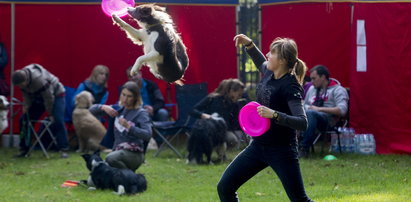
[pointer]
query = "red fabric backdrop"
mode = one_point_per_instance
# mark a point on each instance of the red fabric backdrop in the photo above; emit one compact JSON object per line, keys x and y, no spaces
{"x":69,"y":40}
{"x":380,"y":99}
{"x":381,"y":96}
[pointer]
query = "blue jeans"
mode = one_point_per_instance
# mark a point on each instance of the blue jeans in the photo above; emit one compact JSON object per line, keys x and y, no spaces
{"x":161,"y":115}
{"x":253,"y":159}
{"x":58,"y":127}
{"x":316,"y":120}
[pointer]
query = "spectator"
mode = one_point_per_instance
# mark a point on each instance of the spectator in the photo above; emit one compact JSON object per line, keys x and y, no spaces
{"x":131,"y":128}
{"x":153,"y":100}
{"x":325,"y":102}
{"x":224,"y":101}
{"x":96,"y":84}
{"x":280,"y":94}
{"x":42,"y":91}
{"x":4,"y":86}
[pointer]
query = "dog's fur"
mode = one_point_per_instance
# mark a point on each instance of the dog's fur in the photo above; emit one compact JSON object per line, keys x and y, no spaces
{"x":89,"y":130}
{"x":4,"y":111}
{"x":207,"y":134}
{"x":103,"y":176}
{"x":164,"y":51}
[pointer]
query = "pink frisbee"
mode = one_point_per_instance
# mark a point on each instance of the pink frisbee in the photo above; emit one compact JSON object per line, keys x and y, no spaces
{"x":251,"y":122}
{"x":118,"y":7}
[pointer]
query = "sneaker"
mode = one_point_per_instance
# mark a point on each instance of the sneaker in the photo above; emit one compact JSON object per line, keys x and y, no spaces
{"x":64,"y":155}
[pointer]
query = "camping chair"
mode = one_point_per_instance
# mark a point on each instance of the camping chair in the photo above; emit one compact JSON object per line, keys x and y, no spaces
{"x":341,"y":123}
{"x":38,"y":134}
{"x":186,"y":96}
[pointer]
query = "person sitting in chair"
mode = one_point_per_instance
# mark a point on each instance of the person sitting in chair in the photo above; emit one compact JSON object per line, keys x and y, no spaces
{"x":42,"y":91}
{"x":326,"y":100}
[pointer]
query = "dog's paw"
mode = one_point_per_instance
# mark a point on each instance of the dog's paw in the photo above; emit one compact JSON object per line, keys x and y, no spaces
{"x":116,"y":19}
{"x":91,"y":188}
{"x":136,"y":68}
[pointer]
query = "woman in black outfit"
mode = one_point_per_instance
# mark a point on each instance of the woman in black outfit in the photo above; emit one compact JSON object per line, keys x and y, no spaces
{"x":280,"y":94}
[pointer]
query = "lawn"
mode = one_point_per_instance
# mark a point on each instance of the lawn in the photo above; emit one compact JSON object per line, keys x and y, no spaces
{"x":349,"y":178}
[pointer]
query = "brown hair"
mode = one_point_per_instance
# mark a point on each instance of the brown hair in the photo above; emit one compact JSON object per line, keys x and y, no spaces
{"x":226,"y":86}
{"x":287,"y":50}
{"x":135,"y":90}
{"x":97,"y":70}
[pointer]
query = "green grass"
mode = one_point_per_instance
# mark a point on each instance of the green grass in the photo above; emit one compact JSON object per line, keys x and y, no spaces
{"x":349,"y":178}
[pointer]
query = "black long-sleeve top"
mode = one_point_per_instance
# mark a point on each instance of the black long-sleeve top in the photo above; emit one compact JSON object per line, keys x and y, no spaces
{"x":283,"y":95}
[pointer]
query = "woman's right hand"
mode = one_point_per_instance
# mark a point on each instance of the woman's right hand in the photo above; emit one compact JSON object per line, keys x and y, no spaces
{"x":205,"y":116}
{"x":242,"y":39}
{"x":109,"y":110}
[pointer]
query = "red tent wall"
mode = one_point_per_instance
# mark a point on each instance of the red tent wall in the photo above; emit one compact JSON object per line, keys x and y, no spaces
{"x":380,"y":98}
{"x":69,"y":40}
{"x":321,"y":32}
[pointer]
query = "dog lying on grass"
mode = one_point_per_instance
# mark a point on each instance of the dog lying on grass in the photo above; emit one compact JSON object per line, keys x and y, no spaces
{"x":164,"y":51}
{"x":103,"y":176}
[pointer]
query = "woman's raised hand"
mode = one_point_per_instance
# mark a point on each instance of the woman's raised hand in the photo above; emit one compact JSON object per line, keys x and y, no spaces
{"x":242,"y":39}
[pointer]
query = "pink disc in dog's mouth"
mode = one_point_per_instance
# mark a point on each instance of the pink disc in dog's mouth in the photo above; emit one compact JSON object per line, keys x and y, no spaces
{"x":118,"y":7}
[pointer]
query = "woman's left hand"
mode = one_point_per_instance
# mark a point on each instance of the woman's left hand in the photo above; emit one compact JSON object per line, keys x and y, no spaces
{"x":265,"y":112}
{"x":124,"y":122}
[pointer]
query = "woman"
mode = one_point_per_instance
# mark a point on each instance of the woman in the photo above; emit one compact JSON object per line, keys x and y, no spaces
{"x":223,"y":101}
{"x":96,"y":84}
{"x":132,"y":127}
{"x":280,"y":94}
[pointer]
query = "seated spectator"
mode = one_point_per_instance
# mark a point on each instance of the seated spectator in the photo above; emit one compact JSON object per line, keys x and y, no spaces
{"x":224,"y":101}
{"x":96,"y":84}
{"x":326,"y":100}
{"x":131,"y":128}
{"x":42,"y":91}
{"x":153,"y":100}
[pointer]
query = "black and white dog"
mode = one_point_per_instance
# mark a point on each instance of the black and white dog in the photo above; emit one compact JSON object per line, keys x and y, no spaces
{"x":164,"y":51}
{"x":207,"y":134}
{"x":4,"y":110}
{"x":103,"y":176}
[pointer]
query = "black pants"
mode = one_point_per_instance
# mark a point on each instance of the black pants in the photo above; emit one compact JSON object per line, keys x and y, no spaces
{"x":282,"y":159}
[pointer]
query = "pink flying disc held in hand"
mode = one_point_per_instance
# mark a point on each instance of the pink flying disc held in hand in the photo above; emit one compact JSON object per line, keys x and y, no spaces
{"x":251,"y":122}
{"x":118,"y":7}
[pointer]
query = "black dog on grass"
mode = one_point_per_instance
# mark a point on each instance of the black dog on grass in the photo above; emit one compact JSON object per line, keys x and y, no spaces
{"x":207,"y":134}
{"x":103,"y":176}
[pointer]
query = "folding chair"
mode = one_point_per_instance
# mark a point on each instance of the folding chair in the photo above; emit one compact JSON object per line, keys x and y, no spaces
{"x":186,"y":96}
{"x":37,"y":135}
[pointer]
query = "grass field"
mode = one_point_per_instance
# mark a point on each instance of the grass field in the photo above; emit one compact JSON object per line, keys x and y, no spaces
{"x":349,"y":178}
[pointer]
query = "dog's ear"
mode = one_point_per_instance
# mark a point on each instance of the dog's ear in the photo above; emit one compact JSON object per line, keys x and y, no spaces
{"x":86,"y":157}
{"x":146,"y":11}
{"x":97,"y":152}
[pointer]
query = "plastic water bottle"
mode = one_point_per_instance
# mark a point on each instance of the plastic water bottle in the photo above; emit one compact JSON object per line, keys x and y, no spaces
{"x":334,"y":142}
{"x":351,"y":144}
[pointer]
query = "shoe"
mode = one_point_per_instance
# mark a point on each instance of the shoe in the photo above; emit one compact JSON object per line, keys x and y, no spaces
{"x":64,"y":155}
{"x":22,"y":154}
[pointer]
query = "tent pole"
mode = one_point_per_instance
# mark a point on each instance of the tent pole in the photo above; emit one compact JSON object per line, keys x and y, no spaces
{"x":13,"y":20}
